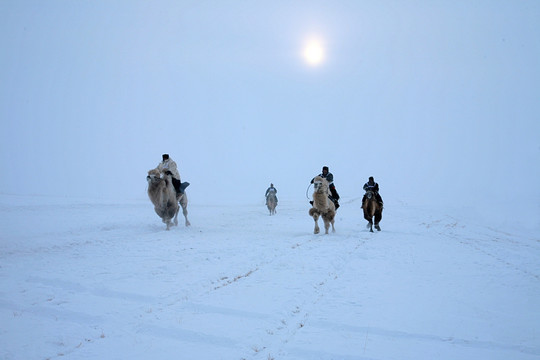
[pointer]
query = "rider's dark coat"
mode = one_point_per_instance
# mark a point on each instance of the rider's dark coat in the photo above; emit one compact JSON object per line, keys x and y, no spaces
{"x":269,"y":190}
{"x":373,"y":186}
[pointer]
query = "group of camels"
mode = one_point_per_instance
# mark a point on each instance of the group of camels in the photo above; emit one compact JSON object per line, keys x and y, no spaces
{"x":324,"y":207}
{"x":167,"y":203}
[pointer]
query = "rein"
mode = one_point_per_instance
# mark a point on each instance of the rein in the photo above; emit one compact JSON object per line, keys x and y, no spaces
{"x":307,"y":197}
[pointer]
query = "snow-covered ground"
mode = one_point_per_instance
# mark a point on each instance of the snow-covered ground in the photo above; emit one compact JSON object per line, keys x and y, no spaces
{"x":96,"y":279}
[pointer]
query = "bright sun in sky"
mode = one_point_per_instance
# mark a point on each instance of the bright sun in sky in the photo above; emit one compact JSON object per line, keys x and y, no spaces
{"x":313,"y":52}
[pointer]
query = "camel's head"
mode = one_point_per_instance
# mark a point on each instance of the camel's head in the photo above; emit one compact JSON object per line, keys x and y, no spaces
{"x":152,"y":175}
{"x":320,"y":185}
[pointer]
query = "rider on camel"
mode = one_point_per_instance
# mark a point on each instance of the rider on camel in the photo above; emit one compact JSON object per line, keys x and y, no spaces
{"x":371,"y":185}
{"x":330,"y":178}
{"x":270,"y":190}
{"x":168,"y":165}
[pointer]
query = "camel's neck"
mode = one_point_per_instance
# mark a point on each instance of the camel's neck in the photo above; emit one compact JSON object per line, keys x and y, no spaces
{"x":371,"y":206}
{"x":157,"y":191}
{"x":320,"y":201}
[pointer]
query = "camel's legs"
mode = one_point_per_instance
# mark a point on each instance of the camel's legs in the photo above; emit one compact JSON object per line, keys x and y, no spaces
{"x":326,"y":226}
{"x":183,"y":203}
{"x":184,"y":211}
{"x":370,"y":226}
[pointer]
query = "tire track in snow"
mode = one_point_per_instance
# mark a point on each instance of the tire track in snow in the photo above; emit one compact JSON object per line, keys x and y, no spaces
{"x":492,"y":245}
{"x":476,"y":245}
{"x":234,"y":278}
{"x":297,"y":316}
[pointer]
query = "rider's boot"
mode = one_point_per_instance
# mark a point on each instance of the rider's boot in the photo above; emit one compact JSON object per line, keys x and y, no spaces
{"x":183,"y":186}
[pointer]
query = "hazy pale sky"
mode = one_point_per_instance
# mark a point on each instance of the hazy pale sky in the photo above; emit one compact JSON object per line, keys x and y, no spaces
{"x":433,"y":98}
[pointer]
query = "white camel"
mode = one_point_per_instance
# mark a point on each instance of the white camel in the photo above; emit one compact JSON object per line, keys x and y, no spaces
{"x":322,"y":205}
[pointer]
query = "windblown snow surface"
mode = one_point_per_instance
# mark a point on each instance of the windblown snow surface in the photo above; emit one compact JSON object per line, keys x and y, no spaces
{"x":96,"y":279}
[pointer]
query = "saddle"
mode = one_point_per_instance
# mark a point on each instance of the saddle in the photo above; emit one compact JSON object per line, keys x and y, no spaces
{"x":373,"y":194}
{"x":181,"y":189}
{"x":334,"y":200}
{"x":336,"y":204}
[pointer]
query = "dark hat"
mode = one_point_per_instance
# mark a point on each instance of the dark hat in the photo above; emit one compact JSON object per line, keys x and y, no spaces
{"x":325,"y":167}
{"x":165,"y":156}
{"x":371,"y":178}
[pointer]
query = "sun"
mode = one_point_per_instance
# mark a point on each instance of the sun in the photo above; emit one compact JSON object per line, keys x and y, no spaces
{"x":313,"y":52}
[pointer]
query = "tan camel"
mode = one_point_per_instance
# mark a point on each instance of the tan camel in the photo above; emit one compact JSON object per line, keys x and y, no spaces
{"x":163,"y":195}
{"x":322,"y":205}
{"x":372,"y":209}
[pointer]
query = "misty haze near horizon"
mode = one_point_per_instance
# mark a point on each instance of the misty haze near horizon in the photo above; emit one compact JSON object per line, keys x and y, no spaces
{"x":438,"y":101}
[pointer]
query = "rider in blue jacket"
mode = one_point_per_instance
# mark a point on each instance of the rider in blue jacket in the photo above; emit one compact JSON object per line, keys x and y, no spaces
{"x":270,"y":190}
{"x":373,"y":186}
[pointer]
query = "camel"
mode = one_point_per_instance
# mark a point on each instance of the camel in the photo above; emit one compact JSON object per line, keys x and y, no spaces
{"x":163,"y":195}
{"x":271,"y":203}
{"x":322,"y":205}
{"x":372,"y":208}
